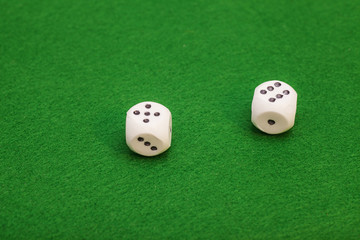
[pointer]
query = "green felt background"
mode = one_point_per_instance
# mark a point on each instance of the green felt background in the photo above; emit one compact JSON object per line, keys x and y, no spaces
{"x":69,"y":71}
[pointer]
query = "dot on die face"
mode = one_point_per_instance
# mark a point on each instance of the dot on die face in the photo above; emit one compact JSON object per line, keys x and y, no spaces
{"x":273,"y":111}
{"x":148,"y":128}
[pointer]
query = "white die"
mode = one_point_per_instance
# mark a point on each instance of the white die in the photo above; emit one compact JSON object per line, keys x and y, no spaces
{"x":273,"y":107}
{"x":148,"y":128}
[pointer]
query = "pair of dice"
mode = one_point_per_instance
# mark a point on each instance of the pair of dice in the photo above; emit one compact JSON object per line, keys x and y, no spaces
{"x":149,"y":124}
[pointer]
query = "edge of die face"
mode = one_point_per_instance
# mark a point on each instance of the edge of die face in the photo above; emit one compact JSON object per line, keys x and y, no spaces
{"x":170,"y":129}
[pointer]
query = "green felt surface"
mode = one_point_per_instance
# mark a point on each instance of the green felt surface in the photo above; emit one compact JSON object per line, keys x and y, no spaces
{"x":69,"y":71}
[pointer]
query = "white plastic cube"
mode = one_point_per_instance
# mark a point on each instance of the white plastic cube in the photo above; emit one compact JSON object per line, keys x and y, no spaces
{"x":273,"y":107}
{"x":148,"y":128}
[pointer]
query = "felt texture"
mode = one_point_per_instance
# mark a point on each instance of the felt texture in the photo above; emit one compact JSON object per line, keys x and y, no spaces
{"x":69,"y":71}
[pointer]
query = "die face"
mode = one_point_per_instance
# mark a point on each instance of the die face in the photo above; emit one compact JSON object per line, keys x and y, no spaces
{"x":148,"y":128}
{"x":272,"y":122}
{"x":148,"y":145}
{"x":274,"y":107}
{"x":275,"y":94}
